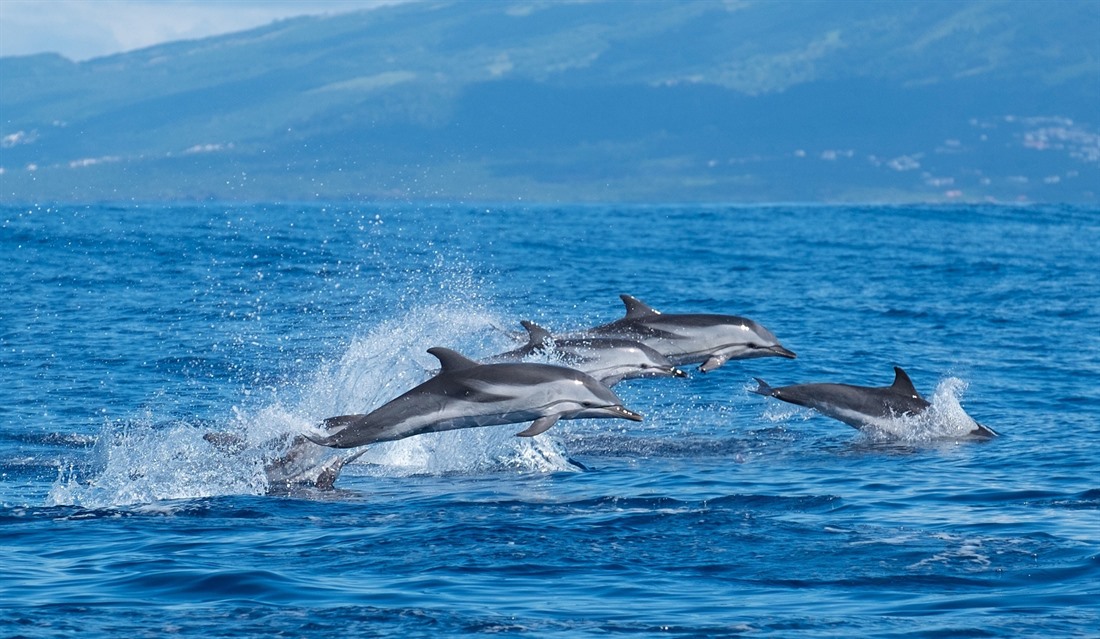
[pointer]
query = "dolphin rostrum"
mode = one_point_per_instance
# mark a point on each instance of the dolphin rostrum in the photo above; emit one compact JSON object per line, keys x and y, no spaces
{"x":466,"y":394}
{"x":609,"y":359}
{"x":693,"y":338}
{"x":861,"y":406}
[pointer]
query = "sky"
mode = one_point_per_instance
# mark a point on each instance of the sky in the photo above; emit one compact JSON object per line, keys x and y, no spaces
{"x":84,"y":29}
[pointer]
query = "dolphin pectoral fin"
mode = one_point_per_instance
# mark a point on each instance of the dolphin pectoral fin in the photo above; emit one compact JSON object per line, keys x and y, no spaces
{"x":762,"y":388}
{"x":713,"y":362}
{"x":540,"y":425}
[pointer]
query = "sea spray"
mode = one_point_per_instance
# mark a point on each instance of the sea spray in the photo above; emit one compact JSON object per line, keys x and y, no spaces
{"x":142,"y":461}
{"x":944,"y":419}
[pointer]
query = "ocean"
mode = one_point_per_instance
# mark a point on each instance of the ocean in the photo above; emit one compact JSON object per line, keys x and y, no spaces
{"x":129,"y":332}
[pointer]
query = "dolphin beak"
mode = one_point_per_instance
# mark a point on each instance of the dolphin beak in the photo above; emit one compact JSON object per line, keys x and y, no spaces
{"x":782,"y":352}
{"x":676,"y":372}
{"x":625,"y":413}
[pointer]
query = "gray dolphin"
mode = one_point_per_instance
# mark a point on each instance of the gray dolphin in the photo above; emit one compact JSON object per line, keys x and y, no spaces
{"x":466,"y":394}
{"x":861,"y":406}
{"x":609,"y":359}
{"x":302,"y":463}
{"x":308,"y":463}
{"x":693,"y":338}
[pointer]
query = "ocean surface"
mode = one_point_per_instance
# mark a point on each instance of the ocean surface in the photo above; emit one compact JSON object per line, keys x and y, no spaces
{"x":127,"y":333}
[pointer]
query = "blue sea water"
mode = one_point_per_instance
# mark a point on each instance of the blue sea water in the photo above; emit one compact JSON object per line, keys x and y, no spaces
{"x":129,"y":332}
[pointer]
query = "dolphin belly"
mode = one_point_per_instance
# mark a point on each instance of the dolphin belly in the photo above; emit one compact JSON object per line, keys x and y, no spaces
{"x":886,"y":423}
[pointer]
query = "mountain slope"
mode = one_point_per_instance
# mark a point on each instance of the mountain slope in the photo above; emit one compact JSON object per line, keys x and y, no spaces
{"x":599,"y":100}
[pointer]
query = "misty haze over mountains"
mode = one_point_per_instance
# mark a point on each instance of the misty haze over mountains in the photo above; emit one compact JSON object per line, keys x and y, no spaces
{"x":596,"y":101}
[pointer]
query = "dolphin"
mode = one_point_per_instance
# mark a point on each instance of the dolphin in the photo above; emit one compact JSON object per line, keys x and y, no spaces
{"x":693,"y":338}
{"x":303,"y":463}
{"x":307,"y":463}
{"x":466,"y":394}
{"x":861,"y":406}
{"x":609,"y":359}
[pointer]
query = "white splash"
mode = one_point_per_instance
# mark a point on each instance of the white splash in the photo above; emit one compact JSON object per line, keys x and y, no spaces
{"x":142,"y":462}
{"x":475,"y":450}
{"x":943,"y":420}
{"x":966,"y":553}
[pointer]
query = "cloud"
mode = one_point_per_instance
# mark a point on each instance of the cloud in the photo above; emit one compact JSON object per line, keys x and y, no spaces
{"x":83,"y":29}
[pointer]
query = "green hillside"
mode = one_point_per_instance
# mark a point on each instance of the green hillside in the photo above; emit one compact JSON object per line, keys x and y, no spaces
{"x":730,"y":101}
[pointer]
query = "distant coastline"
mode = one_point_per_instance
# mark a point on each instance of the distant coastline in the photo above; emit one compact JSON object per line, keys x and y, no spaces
{"x":597,"y":102}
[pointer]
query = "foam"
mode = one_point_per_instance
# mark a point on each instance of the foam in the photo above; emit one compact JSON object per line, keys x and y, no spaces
{"x":145,"y":460}
{"x":945,"y":419}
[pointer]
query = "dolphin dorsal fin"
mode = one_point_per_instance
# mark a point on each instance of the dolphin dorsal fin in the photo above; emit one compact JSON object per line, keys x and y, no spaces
{"x":902,"y":384}
{"x":450,"y":361}
{"x":537,"y":336}
{"x":636,"y":308}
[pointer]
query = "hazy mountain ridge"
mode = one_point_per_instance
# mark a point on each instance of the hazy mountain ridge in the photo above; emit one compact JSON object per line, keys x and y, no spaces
{"x":606,"y":100}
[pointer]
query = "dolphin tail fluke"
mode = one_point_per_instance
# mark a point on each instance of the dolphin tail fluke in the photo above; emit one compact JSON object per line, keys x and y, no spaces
{"x":762,"y":388}
{"x":539,"y":426}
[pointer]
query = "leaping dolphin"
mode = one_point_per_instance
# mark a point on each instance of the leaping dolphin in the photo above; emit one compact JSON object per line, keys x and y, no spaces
{"x":693,"y":338}
{"x":466,"y":394}
{"x":609,"y":359}
{"x":861,"y":406}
